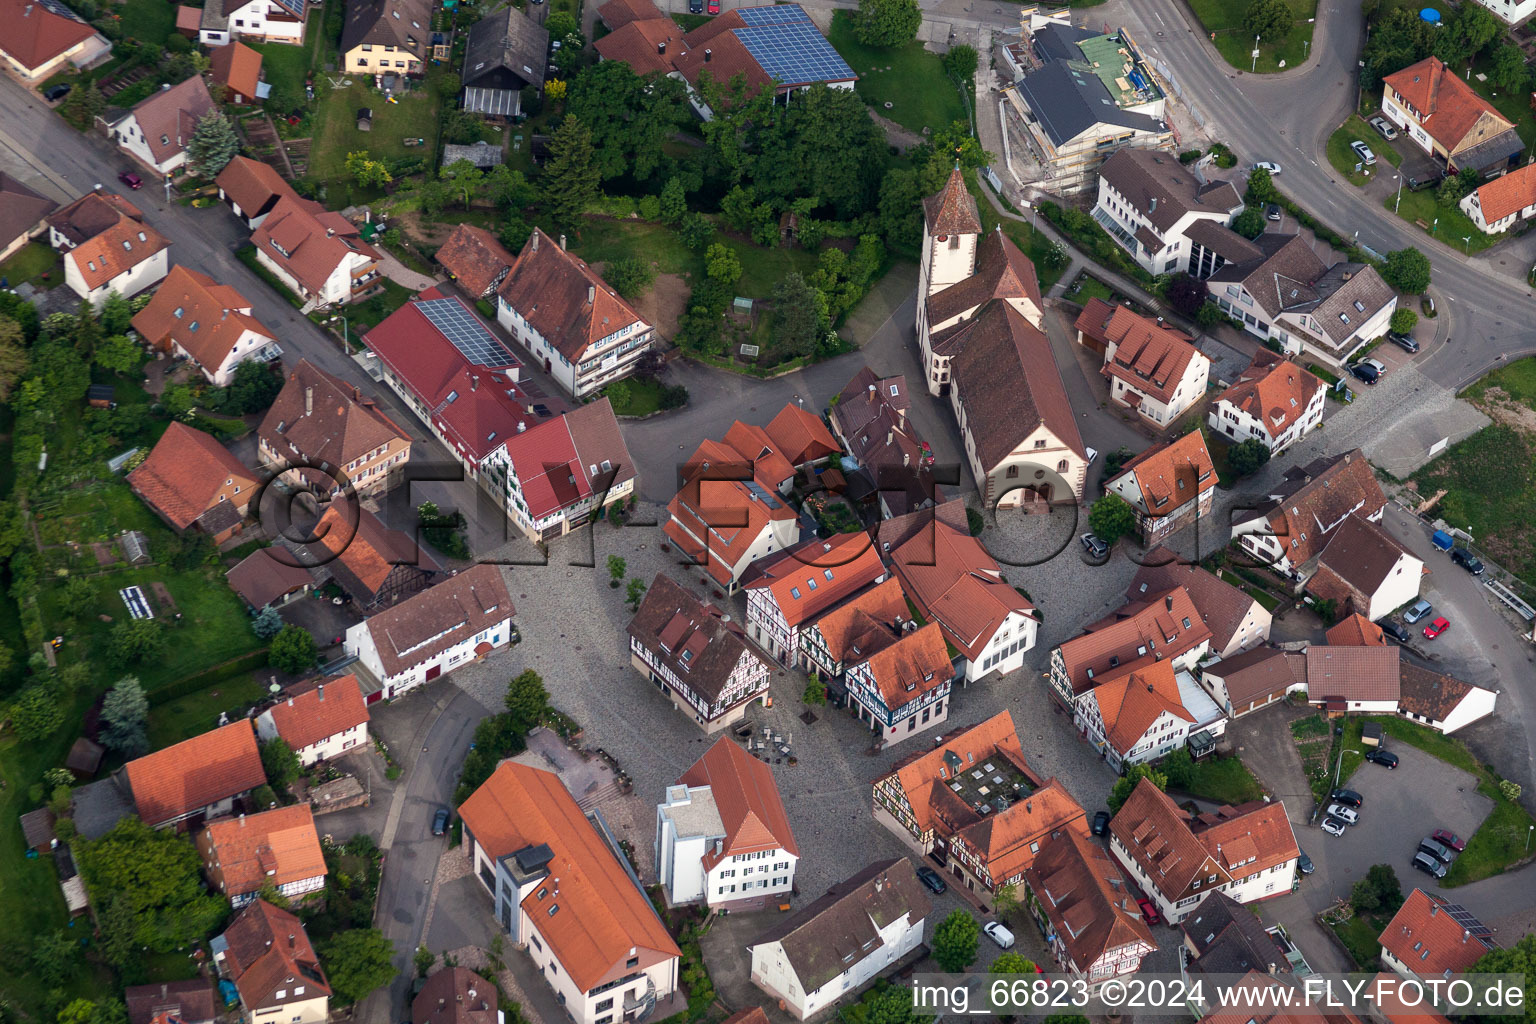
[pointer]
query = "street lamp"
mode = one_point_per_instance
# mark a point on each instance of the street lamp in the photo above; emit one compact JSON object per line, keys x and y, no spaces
{"x":1434,"y":227}
{"x":1528,"y":830}
{"x":1306,"y":44}
{"x":346,"y":338}
{"x":1255,"y":54}
{"x":1399,"y":201}
{"x":1466,"y":245}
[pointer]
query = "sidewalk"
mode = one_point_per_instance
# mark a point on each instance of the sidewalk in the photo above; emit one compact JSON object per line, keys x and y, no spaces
{"x":402,"y":275}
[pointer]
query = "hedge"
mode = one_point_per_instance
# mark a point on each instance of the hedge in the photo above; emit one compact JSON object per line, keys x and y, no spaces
{"x":209,"y":676}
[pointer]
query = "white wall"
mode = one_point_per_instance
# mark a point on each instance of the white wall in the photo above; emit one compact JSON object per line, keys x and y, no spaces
{"x":1006,"y":649}
{"x":1235,"y":425}
{"x":771,"y":970}
{"x":130,"y":136}
{"x":746,"y":876}
{"x":1400,"y":587}
{"x":359,"y":642}
{"x":127,"y":284}
{"x":249,"y":21}
{"x":581,"y":1007}
{"x":1475,"y":705}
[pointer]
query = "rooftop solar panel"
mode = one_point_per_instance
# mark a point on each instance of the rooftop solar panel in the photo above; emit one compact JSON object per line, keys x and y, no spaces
{"x":793,"y":53}
{"x":59,"y":9}
{"x":467,"y":333}
{"x":781,"y":14}
{"x":761,"y":494}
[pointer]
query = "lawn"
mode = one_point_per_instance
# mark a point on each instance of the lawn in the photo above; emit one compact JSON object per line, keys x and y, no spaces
{"x":1360,"y":937}
{"x":149,"y":21}
{"x":1087,"y":287}
{"x":1226,"y":781}
{"x":1031,"y":243}
{"x":1343,"y":158}
{"x":1268,"y":601}
{"x":643,"y":399}
{"x":1314,"y":745}
{"x":196,"y":713}
{"x":284,"y":65}
{"x":366,"y":315}
{"x":1448,"y":224}
{"x":603,"y":240}
{"x":908,"y":77}
{"x":336,"y":133}
{"x":30,"y":263}
{"x":1517,"y":380}
{"x":1490,"y":485}
{"x":1512,"y":105}
{"x":1224,"y":19}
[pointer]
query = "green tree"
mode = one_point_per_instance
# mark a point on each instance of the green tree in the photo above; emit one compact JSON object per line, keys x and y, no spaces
{"x":887,"y":22}
{"x":955,"y":941}
{"x":293,"y":650}
{"x":1407,"y":270}
{"x":158,"y":875}
{"x":1507,"y":69}
{"x":1005,"y":900}
{"x":1247,"y":457}
{"x":1249,"y":223}
{"x":1261,"y":188}
{"x":423,"y":959}
{"x":116,"y":314}
{"x":1403,"y":321}
{"x":178,"y":400}
{"x":35,"y":714}
{"x":890,"y":1005}
{"x":630,"y":276}
{"x":467,"y":179}
{"x":356,"y":963}
{"x":1466,"y":33}
{"x":960,"y":63}
{"x":267,"y":623}
{"x":799,"y":316}
{"x":54,"y":956}
{"x":125,"y":712}
{"x":674,"y":200}
{"x":366,"y":171}
{"x":695,"y":230}
{"x":631,"y":117}
{"x":1379,"y":890}
{"x":815,"y":690}
{"x":1271,"y":20}
{"x":118,"y":924}
{"x":82,"y":106}
{"x":561,"y":23}
{"x":975,"y":522}
{"x":1126,"y":783}
{"x":280,"y":763}
{"x":119,"y":354}
{"x":13,"y":356}
{"x":721,"y":264}
{"x":1454,"y":187}
{"x":62,"y":373}
{"x":1112,"y":518}
{"x":213,"y":144}
{"x":431,"y":195}
{"x":571,"y":176}
{"x":1012,"y":963}
{"x":634,"y":592}
{"x":77,"y":596}
{"x":509,"y":189}
{"x":527,"y":701}
{"x":617,"y":567}
{"x":1519,"y":958}
{"x":253,"y":389}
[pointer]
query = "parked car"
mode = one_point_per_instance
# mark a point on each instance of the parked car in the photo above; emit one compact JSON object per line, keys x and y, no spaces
{"x":1333,"y":826}
{"x":1419,"y":609}
{"x":1442,"y":853}
{"x":994,"y":929}
{"x":712,"y":7}
{"x":931,"y":879}
{"x":1434,"y":629}
{"x":1366,"y":370}
{"x":1467,"y":560}
{"x":1346,"y":796}
{"x":440,"y":822}
{"x":1095,"y":547}
{"x":58,"y":92}
{"x":1405,"y":342}
{"x":695,"y":6}
{"x":1448,"y":838}
{"x":1304,"y":864}
{"x":1101,"y":823}
{"x":1148,"y":911}
{"x":1384,"y":127}
{"x":1363,"y":152}
{"x":1382,"y":757}
{"x":1272,"y":211}
{"x":1348,"y":815}
{"x":1093,"y":453}
{"x":1427,"y":864}
{"x":131,"y":180}
{"x":1268,"y":165}
{"x":1394,"y":631}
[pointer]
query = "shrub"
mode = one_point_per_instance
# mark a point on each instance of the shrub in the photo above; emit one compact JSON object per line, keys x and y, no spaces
{"x":1189,"y":156}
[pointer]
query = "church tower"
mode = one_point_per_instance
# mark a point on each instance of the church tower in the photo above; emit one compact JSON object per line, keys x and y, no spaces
{"x":951,"y":229}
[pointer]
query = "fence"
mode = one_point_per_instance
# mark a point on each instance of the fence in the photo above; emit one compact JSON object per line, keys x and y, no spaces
{"x":1171,"y":84}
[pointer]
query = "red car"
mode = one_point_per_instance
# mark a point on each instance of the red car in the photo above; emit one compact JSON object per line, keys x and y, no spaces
{"x":1449,"y":838}
{"x":713,"y":7}
{"x":1437,"y":627}
{"x":131,"y":180}
{"x":1148,"y":911}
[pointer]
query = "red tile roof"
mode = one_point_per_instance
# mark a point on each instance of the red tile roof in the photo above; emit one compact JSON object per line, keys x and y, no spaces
{"x":308,"y":242}
{"x":373,"y":563}
{"x":565,"y":300}
{"x":603,"y":918}
{"x":1435,"y":938}
{"x":194,"y":773}
{"x":237,"y":66}
{"x":280,"y":846}
{"x":1086,"y":897}
{"x":1132,"y":699}
{"x":37,"y":34}
{"x":168,"y":117}
{"x":866,"y":623}
{"x":421,"y":628}
{"x":1352,"y":673}
{"x":1149,"y":356}
{"x":696,"y":642}
{"x":952,"y":211}
{"x":912,"y":667}
{"x":1356,"y":631}
{"x":801,"y":436}
{"x":571,"y":458}
{"x":110,"y":238}
{"x":811,"y":579}
{"x":955,"y":582}
{"x":1449,"y":110}
{"x":253,"y":185}
{"x":205,"y":318}
{"x":455,"y":995}
{"x":1172,"y":473}
{"x":1003,"y":839}
{"x":475,"y":257}
{"x":1273,"y":390}
{"x":1222,"y":605}
{"x":1507,"y":194}
{"x":1154,"y":624}
{"x":1001,"y":272}
{"x":618,"y":13}
{"x":269,"y":952}
{"x":642,"y":44}
{"x":184,"y":473}
{"x":1363,"y":554}
{"x":332,"y":707}
{"x":194,"y":1001}
{"x":924,"y":777}
{"x":769,"y":466}
{"x":748,"y":801}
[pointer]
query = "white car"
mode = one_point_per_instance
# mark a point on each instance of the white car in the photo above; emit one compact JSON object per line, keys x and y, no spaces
{"x":999,"y":934}
{"x":1333,"y":826}
{"x":1363,"y":152}
{"x":1384,"y":127}
{"x":1348,"y":815}
{"x":1268,"y":165}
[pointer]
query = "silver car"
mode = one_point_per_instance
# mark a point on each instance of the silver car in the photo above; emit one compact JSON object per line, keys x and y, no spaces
{"x":1363,"y":152}
{"x":1384,"y":127}
{"x":1348,"y":815}
{"x":1418,"y":611}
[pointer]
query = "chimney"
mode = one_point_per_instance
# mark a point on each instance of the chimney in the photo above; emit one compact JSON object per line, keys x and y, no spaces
{"x":1154,"y":205}
{"x":474,"y":382}
{"x":707,"y":54}
{"x":330,"y":232}
{"x":320,"y":692}
{"x":309,"y":401}
{"x":562,"y":242}
{"x":441,"y":1003}
{"x":471,"y":995}
{"x":1434,"y":908}
{"x":1465,"y":935}
{"x":879,"y":883}
{"x":242,"y":820}
{"x":357,"y":396}
{"x":290,"y":702}
{"x":890,"y":435}
{"x":591,"y":289}
{"x":535,"y":241}
{"x":1168,"y":601}
{"x":871,"y":389}
{"x":661,"y":47}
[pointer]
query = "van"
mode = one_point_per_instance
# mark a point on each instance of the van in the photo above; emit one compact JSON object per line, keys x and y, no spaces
{"x":999,"y":934}
{"x":1427,"y":864}
{"x":1442,"y":853}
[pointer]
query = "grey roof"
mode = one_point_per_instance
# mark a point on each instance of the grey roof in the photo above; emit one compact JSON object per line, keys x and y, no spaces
{"x":509,"y":40}
{"x":1163,"y":190}
{"x":1498,"y":149}
{"x":403,"y":23}
{"x":1353,"y":290}
{"x":1362,"y":554}
{"x":1228,"y":939}
{"x":1283,"y":278}
{"x":100,"y":805}
{"x":841,"y":928}
{"x":213,"y":18}
{"x":481,"y":154}
{"x":1222,"y":240}
{"x":1059,"y":42}
{"x":1067,"y":99}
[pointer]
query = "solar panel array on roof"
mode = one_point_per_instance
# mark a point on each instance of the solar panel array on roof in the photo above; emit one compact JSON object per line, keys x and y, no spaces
{"x":781,"y":14}
{"x":794,"y":52}
{"x":53,"y":6}
{"x":1468,"y":921}
{"x":467,"y":333}
{"x":760,"y":494}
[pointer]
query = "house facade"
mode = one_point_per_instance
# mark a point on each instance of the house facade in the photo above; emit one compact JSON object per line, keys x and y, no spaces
{"x":1252,"y":680}
{"x":1498,"y":205}
{"x":280,"y":848}
{"x":1141,"y":713}
{"x":1168,"y":486}
{"x":1288,"y":530}
{"x":45,"y":37}
{"x":1150,"y":203}
{"x":1152,"y":369}
{"x":904,"y":687}
{"x":157,"y":130}
{"x":324,"y":434}
{"x":266,"y":954}
{"x":385,"y":37}
{"x":1236,"y":620}
{"x":320,"y":722}
{"x":262,"y":21}
{"x":1149,"y":629}
{"x":107,"y":247}
{"x":800,"y":585}
{"x":1366,"y":570}
{"x":1274,"y":402}
{"x":317,"y":254}
{"x":1447,"y":119}
{"x":194,"y":317}
{"x":1085,"y":908}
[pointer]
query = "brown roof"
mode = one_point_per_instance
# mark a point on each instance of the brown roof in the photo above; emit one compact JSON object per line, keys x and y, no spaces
{"x":1222,"y":605}
{"x":617,"y":13}
{"x":455,"y":995}
{"x":207,"y":319}
{"x":333,"y":706}
{"x":262,"y":577}
{"x":1434,"y":937}
{"x":1259,"y":673}
{"x":237,"y":66}
{"x":253,"y":185}
{"x":1387,"y":1000}
{"x":1349,"y":294}
{"x":952,"y":211}
{"x":39,"y":33}
{"x":1507,"y":194}
{"x":268,"y":952}
{"x":728,"y":56}
{"x":717,"y":504}
{"x":1273,"y":390}
{"x":194,"y":1001}
{"x":450,"y":611}
{"x":1315,"y":499}
{"x":1132,"y":699}
{"x":1002,"y":272}
{"x":1149,"y":356}
{"x":1223,"y":241}
{"x":603,"y":918}
{"x":1164,"y":625}
{"x":808,"y":580}
{"x":406,"y":24}
{"x":1280,"y":279}
{"x":1429,"y":694}
{"x":1352,"y":673}
{"x":84,"y":756}
{"x":1228,"y":939}
{"x":37,"y":829}
{"x":870,"y":414}
{"x":913,"y":666}
{"x":194,"y":773}
{"x":867,"y":623}
{"x":1244,"y":1005}
{"x":474,"y":256}
{"x":1002,"y":840}
{"x":309,"y":242}
{"x":769,"y":466}
{"x":1362,"y":553}
{"x":120,"y":243}
{"x":800,"y":435}
{"x":691,"y":638}
{"x":637,"y":43}
{"x":373,"y":563}
{"x":1356,"y":631}
{"x":924,"y":776}
{"x":1172,"y":473}
{"x":843,"y":927}
{"x":280,"y":846}
{"x":747,"y":799}
{"x":1450,"y":111}
{"x":323,"y":419}
{"x":184,"y":473}
{"x":90,"y":215}
{"x":168,"y":117}
{"x":1086,"y":897}
{"x":21,"y":209}
{"x":1162,"y":189}
{"x":563,"y":298}
{"x":1008,"y":382}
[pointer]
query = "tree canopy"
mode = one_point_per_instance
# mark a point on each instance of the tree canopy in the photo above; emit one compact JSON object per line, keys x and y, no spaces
{"x":356,"y":962}
{"x":887,"y":22}
{"x":213,"y":144}
{"x":1126,"y":783}
{"x":293,"y":649}
{"x":631,"y":117}
{"x":1270,"y":20}
{"x":1111,"y":518}
{"x":955,"y":941}
{"x":570,"y":180}
{"x":125,"y":713}
{"x":1246,"y":457}
{"x":156,"y":877}
{"x":1407,"y":270}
